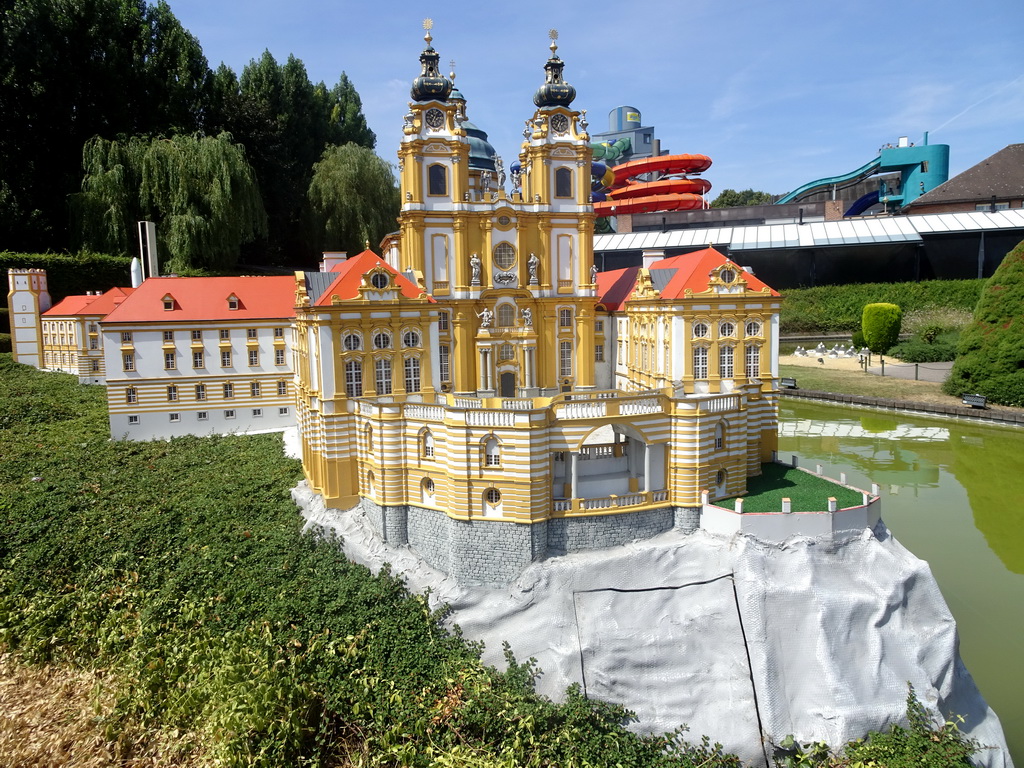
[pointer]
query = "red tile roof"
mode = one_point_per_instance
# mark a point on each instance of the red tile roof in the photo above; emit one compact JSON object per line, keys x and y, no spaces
{"x":85,"y":305}
{"x":350,"y":277}
{"x":691,"y":273}
{"x":202,"y":299}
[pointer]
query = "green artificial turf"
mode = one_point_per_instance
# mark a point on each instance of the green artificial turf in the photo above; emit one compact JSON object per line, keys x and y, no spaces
{"x":808,"y":493}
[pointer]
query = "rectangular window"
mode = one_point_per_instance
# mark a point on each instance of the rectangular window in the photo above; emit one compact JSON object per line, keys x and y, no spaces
{"x":126,"y":337}
{"x":563,"y":182}
{"x":198,"y":360}
{"x":725,"y":367}
{"x":278,"y":357}
{"x":225,"y":334}
{"x":444,"y":355}
{"x":257,"y":412}
{"x":229,"y":414}
{"x":354,"y":378}
{"x":279,"y":333}
{"x":599,"y":326}
{"x":282,"y":411}
{"x":565,"y":358}
{"x":202,"y":415}
{"x":128,"y":362}
{"x":250,"y":333}
{"x":229,"y":390}
{"x":133,"y":419}
{"x":94,"y":343}
{"x":131,"y":395}
{"x":225,"y":358}
{"x":412,"y":374}
{"x":168,"y":335}
{"x":254,"y":357}
{"x":95,"y":366}
{"x":382,"y":371}
{"x":170,"y":362}
{"x":197,"y":335}
{"x":992,"y":206}
{"x":282,"y":388}
{"x":442,"y":321}
{"x":437,"y":180}
{"x":565,"y":318}
{"x":254,"y":389}
{"x":175,"y":416}
{"x":200,"y":391}
{"x":700,"y":362}
{"x":172,"y":393}
{"x":752,"y":362}
{"x":599,"y":353}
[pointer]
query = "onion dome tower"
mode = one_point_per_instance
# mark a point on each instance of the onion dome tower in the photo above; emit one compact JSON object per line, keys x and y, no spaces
{"x":431,"y":85}
{"x":555,"y":92}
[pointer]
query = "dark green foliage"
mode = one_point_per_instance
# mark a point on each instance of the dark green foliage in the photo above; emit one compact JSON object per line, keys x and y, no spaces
{"x":71,"y":274}
{"x":5,"y":342}
{"x":857,"y":339}
{"x":730,"y":198}
{"x":839,"y":308}
{"x":5,"y":322}
{"x":201,"y":191}
{"x":990,"y":356}
{"x":353,"y":199}
{"x":73,"y":69}
{"x":917,"y":350}
{"x":179,"y":569}
{"x":880,"y":325}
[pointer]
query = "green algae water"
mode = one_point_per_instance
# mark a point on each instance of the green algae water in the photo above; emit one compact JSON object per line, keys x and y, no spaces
{"x":953,"y":494}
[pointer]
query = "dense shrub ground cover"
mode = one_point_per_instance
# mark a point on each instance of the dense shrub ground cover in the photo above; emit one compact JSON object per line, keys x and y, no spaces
{"x":177,"y":573}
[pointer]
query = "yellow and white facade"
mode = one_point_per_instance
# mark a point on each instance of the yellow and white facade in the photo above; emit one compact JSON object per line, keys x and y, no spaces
{"x":552,"y":408}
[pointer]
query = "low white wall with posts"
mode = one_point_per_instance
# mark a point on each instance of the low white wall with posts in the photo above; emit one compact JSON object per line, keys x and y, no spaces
{"x":830,"y":522}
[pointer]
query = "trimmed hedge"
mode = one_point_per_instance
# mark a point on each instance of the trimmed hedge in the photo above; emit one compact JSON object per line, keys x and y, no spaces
{"x":881,"y":324}
{"x":990,"y":356}
{"x":838,"y":308}
{"x":71,"y":274}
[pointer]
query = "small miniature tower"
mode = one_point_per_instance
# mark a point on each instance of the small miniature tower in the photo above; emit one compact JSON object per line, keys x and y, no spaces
{"x":27,"y":299}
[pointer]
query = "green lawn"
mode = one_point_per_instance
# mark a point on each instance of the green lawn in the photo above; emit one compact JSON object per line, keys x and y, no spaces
{"x":808,"y":493}
{"x":867,"y":384}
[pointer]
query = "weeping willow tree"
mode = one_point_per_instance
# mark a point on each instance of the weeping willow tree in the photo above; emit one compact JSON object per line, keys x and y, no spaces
{"x":201,"y":192}
{"x":353,"y":198}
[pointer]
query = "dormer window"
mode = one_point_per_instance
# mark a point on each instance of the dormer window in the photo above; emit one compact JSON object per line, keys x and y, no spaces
{"x":379,"y":280}
{"x":168,"y":301}
{"x":233,"y":302}
{"x":727,"y":275}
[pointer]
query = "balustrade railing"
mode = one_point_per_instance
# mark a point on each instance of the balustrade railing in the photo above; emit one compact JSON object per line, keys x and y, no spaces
{"x":616,"y":502}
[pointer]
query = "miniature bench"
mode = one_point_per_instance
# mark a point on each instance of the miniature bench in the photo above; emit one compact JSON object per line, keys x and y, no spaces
{"x":975,"y":401}
{"x":788,"y":383}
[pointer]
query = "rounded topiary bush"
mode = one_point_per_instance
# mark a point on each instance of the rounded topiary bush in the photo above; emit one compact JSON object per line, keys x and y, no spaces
{"x":880,"y":324}
{"x":990,"y":355}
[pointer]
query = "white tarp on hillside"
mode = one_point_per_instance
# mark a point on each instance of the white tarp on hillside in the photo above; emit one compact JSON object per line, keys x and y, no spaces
{"x":736,"y":638}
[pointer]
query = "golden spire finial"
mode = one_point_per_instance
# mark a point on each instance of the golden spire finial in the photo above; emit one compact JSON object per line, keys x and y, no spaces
{"x":428,"y":24}
{"x":553,"y":34}
{"x":451,"y":75}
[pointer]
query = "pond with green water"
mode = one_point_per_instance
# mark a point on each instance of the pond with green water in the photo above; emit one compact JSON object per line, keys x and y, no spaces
{"x":953,"y":494}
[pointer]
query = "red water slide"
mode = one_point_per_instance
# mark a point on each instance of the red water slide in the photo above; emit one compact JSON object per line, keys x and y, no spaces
{"x":675,"y":193}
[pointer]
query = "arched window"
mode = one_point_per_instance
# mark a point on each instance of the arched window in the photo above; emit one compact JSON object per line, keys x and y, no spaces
{"x":353,"y":341}
{"x":700,"y":330}
{"x":752,"y":361}
{"x":700,"y":362}
{"x":506,"y":352}
{"x":437,"y":180}
{"x":427,"y":444}
{"x":371,"y":488}
{"x":354,"y":378}
{"x":382,"y":375}
{"x":506,"y":315}
{"x":412,"y":374}
{"x":492,"y":452}
{"x":492,"y":502}
{"x":504,"y":256}
{"x":563,"y":182}
{"x":725,"y":360}
{"x":719,"y":436}
{"x":427,"y":490}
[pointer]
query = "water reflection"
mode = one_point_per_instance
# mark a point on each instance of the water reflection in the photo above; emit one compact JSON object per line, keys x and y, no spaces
{"x":953,"y":493}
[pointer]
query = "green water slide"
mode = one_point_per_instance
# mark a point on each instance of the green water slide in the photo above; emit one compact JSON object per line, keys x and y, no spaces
{"x":611,"y":151}
{"x":868,"y":169}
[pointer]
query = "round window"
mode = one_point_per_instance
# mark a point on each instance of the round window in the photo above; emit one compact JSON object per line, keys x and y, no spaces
{"x":700,"y":330}
{"x":504,"y":221}
{"x":753,"y":328}
{"x":726,"y":329}
{"x":504,"y":255}
{"x":379,"y":280}
{"x":428,"y":485}
{"x":382,"y":340}
{"x":352,"y":342}
{"x":493,"y":497}
{"x":411,"y":339}
{"x":727,"y":275}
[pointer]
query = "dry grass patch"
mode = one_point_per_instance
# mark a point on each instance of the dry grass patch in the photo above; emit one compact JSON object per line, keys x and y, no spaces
{"x":50,"y":717}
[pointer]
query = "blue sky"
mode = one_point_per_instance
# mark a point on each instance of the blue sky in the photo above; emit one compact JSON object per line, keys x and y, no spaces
{"x":777,"y":94}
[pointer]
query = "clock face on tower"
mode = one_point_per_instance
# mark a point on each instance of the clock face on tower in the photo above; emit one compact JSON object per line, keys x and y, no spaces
{"x":434,"y":118}
{"x":560,"y":124}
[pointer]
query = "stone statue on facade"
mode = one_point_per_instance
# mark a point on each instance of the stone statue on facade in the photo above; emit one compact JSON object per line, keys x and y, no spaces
{"x":593,"y":273}
{"x":486,"y":318}
{"x":532,"y":264}
{"x":527,"y":317}
{"x":474,"y":266}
